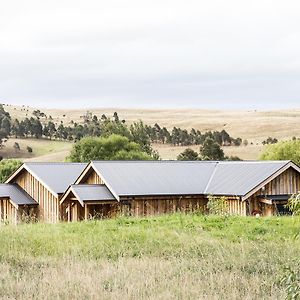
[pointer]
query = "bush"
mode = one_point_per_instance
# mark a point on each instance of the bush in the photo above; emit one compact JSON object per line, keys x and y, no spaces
{"x":217,"y":205}
{"x":286,"y":150}
{"x":29,"y":149}
{"x":294,"y":205}
{"x":7,"y":167}
{"x":114,"y":147}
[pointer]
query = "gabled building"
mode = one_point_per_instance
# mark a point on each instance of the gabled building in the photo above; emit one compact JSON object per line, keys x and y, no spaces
{"x":141,"y":188}
{"x":40,"y":187}
{"x":15,"y":203}
{"x":75,"y":191}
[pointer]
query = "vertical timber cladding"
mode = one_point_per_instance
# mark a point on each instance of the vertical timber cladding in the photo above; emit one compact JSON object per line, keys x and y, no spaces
{"x":7,"y":211}
{"x":48,"y":209}
{"x":92,"y":178}
{"x":236,"y":206}
{"x":147,"y":206}
{"x":287,"y":183}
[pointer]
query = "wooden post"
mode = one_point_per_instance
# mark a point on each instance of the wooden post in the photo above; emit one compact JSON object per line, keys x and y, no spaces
{"x":86,"y":212}
{"x":69,"y":212}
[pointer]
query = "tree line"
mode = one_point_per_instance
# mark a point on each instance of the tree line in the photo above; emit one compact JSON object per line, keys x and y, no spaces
{"x":39,"y":126}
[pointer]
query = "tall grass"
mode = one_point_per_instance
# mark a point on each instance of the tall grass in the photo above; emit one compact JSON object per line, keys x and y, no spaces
{"x":168,"y":257}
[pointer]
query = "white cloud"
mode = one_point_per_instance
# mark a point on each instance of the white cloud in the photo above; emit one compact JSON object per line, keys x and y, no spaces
{"x":150,"y":53}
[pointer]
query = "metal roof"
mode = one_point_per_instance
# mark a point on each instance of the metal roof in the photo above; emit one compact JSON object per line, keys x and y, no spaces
{"x":142,"y":178}
{"x":15,"y":194}
{"x":238,"y":178}
{"x":129,"y":178}
{"x":92,"y":192}
{"x":56,"y":176}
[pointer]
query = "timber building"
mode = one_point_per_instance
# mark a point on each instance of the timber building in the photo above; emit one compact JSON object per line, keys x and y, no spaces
{"x":79,"y":191}
{"x":142,"y":188}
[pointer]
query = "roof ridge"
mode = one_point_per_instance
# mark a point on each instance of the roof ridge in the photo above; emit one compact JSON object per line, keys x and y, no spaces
{"x":153,"y":161}
{"x":53,"y":163}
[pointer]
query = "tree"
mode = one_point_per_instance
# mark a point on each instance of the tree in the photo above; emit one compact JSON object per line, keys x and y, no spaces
{"x":114,"y":147}
{"x":29,"y":149}
{"x":285,"y":150}
{"x":211,"y":150}
{"x":7,"y":167}
{"x":188,"y":154}
{"x":16,"y":147}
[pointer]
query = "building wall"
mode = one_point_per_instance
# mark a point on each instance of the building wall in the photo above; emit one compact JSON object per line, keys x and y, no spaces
{"x":8,"y":212}
{"x":49,"y":207}
{"x":236,"y":206}
{"x":287,"y":183}
{"x":92,"y":178}
{"x":148,"y":206}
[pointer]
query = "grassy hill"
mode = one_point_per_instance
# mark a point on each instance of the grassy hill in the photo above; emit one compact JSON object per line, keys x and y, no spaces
{"x":255,"y":126}
{"x":167,"y":257}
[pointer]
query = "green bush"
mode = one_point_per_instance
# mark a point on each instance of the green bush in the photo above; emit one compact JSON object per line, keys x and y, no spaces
{"x":7,"y":167}
{"x":217,"y":205}
{"x":286,"y":150}
{"x":294,"y":204}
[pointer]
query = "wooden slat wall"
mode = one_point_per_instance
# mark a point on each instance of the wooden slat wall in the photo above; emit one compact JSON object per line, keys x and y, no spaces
{"x":8,"y":212}
{"x":49,"y":207}
{"x":92,"y":178}
{"x":286,"y":183}
{"x":155,"y":206}
{"x":236,"y":206}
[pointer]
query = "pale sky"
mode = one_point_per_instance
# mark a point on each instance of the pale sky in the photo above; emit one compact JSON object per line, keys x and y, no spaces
{"x":136,"y":53}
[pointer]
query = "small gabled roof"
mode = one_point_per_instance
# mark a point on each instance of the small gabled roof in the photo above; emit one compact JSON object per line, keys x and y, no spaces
{"x":89,"y":192}
{"x":55,"y":176}
{"x":15,"y":194}
{"x":141,"y":178}
{"x":238,"y":178}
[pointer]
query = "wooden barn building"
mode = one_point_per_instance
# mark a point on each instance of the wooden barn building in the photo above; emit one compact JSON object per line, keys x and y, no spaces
{"x":141,"y":188}
{"x":35,"y":189}
{"x":78,"y":191}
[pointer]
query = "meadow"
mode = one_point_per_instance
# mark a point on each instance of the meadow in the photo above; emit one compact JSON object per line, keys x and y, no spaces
{"x":164,"y":257}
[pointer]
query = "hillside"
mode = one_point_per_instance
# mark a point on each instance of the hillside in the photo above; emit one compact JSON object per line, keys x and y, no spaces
{"x":255,"y":126}
{"x":167,"y":257}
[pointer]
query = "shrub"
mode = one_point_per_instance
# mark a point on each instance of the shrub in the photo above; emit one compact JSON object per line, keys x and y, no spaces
{"x":217,"y":205}
{"x":7,"y":167}
{"x":294,"y":204}
{"x":29,"y":149}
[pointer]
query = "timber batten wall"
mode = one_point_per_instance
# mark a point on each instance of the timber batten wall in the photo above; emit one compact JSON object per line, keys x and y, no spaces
{"x":91,"y":178}
{"x":287,"y":183}
{"x":49,"y":207}
{"x":8,"y":212}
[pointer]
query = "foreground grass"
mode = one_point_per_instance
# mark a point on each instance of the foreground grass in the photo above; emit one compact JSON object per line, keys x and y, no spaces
{"x":176,"y":256}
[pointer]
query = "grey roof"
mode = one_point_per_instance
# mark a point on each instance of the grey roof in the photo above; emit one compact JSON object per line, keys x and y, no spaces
{"x":56,"y":176}
{"x":92,"y":192}
{"x":238,"y":178}
{"x":128,"y":178}
{"x":15,"y":194}
{"x":141,"y":178}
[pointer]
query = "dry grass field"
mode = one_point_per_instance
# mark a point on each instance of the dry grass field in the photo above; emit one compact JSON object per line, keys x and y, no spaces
{"x":166,"y":257}
{"x":255,"y":126}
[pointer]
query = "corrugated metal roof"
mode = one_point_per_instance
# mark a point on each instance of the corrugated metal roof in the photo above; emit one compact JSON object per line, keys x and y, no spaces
{"x":57,"y":176}
{"x":141,"y":178}
{"x":129,"y":178}
{"x":238,"y":178}
{"x":92,"y":192}
{"x":15,"y":194}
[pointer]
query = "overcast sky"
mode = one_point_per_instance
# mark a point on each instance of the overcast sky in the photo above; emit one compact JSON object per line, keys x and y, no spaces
{"x":136,"y":53}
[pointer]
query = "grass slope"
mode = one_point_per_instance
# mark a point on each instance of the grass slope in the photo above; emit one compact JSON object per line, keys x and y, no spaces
{"x":167,"y":257}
